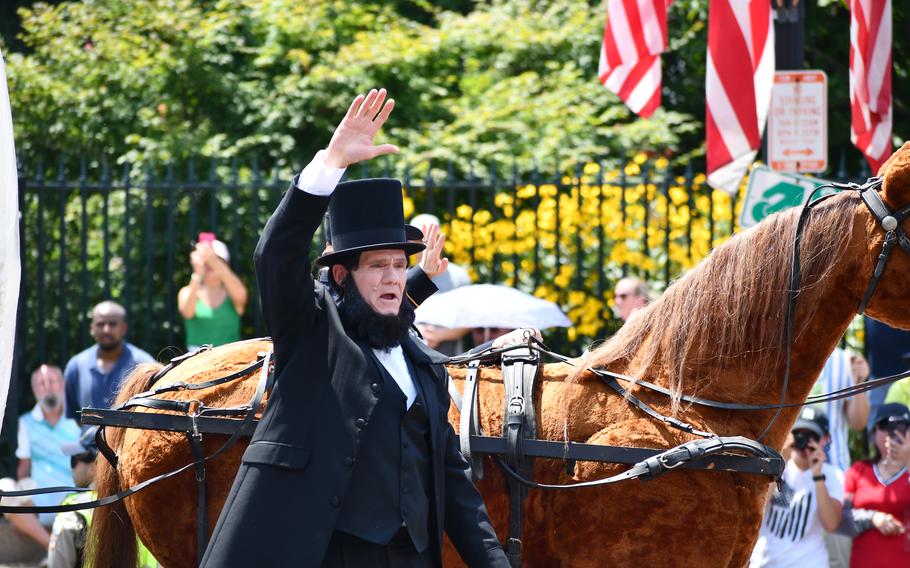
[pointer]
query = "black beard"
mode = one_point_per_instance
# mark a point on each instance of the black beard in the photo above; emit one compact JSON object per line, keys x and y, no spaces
{"x":363,"y":323}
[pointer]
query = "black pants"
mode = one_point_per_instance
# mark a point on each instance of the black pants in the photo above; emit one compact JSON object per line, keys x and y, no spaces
{"x":348,"y":551}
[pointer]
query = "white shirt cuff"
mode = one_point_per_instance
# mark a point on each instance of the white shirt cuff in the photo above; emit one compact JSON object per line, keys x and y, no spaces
{"x":317,"y":178}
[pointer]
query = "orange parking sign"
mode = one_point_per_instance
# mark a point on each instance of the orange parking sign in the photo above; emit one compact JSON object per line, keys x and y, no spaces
{"x":798,"y":122}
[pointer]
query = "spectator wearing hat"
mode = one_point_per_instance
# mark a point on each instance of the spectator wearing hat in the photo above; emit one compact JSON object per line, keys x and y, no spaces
{"x":808,"y":503}
{"x":68,"y":537}
{"x":353,"y":462}
{"x":877,"y":492}
{"x":214,"y":299}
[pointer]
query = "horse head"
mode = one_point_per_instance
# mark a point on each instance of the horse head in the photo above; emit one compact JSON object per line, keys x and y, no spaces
{"x":890,"y":303}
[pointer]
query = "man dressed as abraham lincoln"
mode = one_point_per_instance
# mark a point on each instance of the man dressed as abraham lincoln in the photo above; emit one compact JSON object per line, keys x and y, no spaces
{"x":353,"y":463}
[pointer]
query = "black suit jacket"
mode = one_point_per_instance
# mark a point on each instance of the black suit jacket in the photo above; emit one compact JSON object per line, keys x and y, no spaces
{"x":288,"y":493}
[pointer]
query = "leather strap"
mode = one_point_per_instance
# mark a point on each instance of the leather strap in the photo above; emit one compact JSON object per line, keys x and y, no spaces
{"x":469,"y":420}
{"x":242,"y":427}
{"x":519,"y":371}
{"x":202,"y":534}
{"x":673,"y":458}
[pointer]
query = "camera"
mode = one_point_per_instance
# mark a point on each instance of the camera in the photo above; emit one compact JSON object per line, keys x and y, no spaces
{"x":802,"y":438}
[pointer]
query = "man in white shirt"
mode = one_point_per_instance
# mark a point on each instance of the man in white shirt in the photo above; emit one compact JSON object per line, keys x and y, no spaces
{"x":809,"y":503}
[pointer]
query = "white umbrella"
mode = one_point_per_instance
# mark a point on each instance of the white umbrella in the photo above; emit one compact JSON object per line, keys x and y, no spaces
{"x":490,"y":305}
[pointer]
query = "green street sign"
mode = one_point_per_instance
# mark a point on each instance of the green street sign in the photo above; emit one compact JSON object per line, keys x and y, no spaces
{"x":770,"y":191}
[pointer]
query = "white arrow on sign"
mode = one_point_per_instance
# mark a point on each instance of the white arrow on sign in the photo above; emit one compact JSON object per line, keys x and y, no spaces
{"x":770,"y":191}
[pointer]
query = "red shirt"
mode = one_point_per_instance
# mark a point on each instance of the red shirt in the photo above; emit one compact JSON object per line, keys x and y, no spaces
{"x":873,"y":549}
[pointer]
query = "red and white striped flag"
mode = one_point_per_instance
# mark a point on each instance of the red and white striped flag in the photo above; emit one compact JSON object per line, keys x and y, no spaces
{"x":870,"y":79}
{"x":634,"y":38}
{"x":738,"y":83}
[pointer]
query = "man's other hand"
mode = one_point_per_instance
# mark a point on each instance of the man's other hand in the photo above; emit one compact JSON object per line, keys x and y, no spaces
{"x":352,"y":141}
{"x":431,"y":261}
{"x":516,"y":337}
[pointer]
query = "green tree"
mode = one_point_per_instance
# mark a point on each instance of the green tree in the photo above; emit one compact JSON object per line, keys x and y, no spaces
{"x":166,"y":79}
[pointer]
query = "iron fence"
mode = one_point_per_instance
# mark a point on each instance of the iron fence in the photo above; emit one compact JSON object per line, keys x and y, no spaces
{"x":92,"y":232}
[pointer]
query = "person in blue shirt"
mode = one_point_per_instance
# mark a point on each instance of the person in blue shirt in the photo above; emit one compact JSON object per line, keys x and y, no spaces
{"x":41,"y":462}
{"x":94,"y":375}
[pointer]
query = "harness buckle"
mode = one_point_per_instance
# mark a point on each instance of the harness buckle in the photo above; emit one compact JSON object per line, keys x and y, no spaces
{"x":516,"y":406}
{"x":665,"y":461}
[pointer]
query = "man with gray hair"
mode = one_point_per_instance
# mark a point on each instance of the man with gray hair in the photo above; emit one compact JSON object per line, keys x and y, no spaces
{"x":94,"y":375}
{"x":41,"y":462}
{"x":630,"y":295}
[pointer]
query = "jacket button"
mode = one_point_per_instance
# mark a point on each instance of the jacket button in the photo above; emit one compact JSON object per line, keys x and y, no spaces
{"x":360,"y":423}
{"x":376,"y":388}
{"x":335,"y":501}
{"x":349,"y":461}
{"x":404,"y":489}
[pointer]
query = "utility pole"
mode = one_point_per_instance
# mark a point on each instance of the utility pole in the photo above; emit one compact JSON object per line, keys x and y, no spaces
{"x":789,"y":44}
{"x":789,"y":34}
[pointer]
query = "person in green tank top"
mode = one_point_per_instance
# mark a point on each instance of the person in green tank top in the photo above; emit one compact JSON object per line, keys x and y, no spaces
{"x":214,"y":299}
{"x":68,"y":537}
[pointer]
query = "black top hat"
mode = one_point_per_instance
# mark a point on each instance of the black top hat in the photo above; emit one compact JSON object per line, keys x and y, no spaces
{"x":367,"y":215}
{"x":411,"y":232}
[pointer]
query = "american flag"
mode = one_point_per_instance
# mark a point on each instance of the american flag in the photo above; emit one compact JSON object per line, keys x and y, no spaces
{"x":634,"y":37}
{"x":870,"y":79}
{"x":740,"y":47}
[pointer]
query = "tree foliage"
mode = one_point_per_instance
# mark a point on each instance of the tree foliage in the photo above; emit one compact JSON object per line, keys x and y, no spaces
{"x":165,"y":79}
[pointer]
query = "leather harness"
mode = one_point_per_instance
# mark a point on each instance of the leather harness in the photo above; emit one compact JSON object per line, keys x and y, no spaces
{"x":515,"y":450}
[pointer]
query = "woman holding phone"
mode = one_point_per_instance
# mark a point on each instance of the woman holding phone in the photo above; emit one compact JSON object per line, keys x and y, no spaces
{"x":214,"y":299}
{"x":879,"y":491}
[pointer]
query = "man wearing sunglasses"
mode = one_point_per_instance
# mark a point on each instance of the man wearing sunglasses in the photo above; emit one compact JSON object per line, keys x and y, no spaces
{"x":809,"y":502}
{"x":629,"y":296}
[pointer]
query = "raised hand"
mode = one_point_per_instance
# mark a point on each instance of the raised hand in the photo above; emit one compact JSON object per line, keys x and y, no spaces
{"x":352,"y":141}
{"x":432,"y":262}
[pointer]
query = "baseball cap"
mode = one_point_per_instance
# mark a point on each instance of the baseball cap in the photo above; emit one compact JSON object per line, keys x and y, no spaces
{"x":85,"y":444}
{"x":812,"y":419}
{"x":892,"y":412}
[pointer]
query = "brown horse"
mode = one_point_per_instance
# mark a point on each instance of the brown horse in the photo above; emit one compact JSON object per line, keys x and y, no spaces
{"x":718,"y":333}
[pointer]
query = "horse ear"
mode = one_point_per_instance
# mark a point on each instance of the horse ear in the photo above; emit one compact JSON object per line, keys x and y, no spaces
{"x":895,"y":174}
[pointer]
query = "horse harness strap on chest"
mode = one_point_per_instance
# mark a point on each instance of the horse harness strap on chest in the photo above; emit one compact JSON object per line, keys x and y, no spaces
{"x":519,"y":374}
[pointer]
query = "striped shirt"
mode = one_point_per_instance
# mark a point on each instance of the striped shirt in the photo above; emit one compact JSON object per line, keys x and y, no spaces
{"x":835,"y":376}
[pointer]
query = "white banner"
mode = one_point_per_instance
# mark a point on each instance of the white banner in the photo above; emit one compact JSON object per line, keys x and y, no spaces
{"x":9,"y":239}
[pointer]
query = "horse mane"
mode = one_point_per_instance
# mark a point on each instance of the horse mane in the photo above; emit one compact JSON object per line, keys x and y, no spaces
{"x":111,"y":537}
{"x":729,"y":312}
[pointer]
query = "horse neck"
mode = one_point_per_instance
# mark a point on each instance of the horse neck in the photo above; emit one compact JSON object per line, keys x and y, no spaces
{"x":820,"y":320}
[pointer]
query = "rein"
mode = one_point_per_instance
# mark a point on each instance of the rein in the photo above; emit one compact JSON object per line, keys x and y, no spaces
{"x":888,"y":221}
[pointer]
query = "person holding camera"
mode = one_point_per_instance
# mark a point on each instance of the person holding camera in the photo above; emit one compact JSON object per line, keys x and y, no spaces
{"x":214,"y":299}
{"x":877,"y":492}
{"x":808,"y":503}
